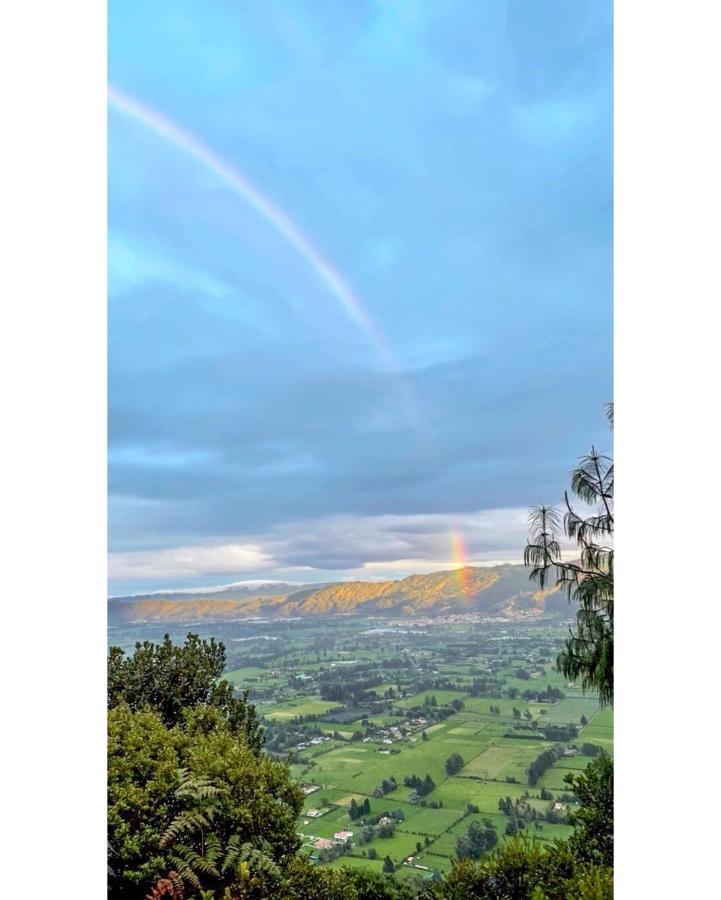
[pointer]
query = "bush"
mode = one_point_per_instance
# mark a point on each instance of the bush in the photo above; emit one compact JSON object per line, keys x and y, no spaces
{"x":524,"y":870}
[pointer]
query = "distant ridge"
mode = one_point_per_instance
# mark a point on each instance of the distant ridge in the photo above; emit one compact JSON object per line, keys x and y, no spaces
{"x":235,"y":590}
{"x":502,"y":591}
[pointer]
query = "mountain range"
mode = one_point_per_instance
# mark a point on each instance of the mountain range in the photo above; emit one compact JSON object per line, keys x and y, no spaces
{"x":502,"y":591}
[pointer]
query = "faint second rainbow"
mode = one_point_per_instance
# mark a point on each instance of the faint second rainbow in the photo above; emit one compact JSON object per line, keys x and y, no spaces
{"x":239,"y":184}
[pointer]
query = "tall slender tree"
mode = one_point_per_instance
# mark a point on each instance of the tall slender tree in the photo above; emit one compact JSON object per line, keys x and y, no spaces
{"x":588,"y":580}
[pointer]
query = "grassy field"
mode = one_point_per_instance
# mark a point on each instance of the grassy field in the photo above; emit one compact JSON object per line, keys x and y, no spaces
{"x":307,"y":708}
{"x":446,"y":663}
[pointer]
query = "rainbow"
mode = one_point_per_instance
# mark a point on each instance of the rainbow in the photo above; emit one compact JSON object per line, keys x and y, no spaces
{"x":335,"y":283}
{"x":459,"y":553}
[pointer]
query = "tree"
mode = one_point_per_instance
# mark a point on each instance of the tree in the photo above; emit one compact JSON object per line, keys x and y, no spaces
{"x":197,"y":784}
{"x":388,"y":866}
{"x":454,"y":764}
{"x":523,"y":869}
{"x":479,"y":839}
{"x":592,"y":840}
{"x":386,"y":830}
{"x":143,"y":762}
{"x":588,"y":652}
{"x":172,"y":679}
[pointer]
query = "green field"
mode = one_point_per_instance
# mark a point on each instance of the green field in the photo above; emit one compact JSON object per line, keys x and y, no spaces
{"x":349,"y":665}
{"x":307,"y":708}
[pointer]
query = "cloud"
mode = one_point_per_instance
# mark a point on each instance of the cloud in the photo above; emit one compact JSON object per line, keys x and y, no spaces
{"x":131,"y":265}
{"x":336,"y":547}
{"x":186,"y":562}
{"x":452,"y":161}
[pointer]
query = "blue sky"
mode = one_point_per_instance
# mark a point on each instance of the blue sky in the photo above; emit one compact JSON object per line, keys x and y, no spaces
{"x":451,"y":162}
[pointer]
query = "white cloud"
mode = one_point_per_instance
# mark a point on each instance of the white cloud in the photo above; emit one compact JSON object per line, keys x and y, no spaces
{"x":187,"y":562}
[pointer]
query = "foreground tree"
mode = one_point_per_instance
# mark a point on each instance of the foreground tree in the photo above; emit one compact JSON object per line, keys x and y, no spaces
{"x":523,"y":869}
{"x":592,"y":840}
{"x":588,"y":652}
{"x":193,"y":803}
{"x":172,"y":679}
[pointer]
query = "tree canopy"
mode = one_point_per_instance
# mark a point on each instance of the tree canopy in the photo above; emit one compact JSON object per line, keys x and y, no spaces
{"x":173,"y":679}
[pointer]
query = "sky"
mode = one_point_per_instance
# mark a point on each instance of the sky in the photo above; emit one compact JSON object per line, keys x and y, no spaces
{"x":360,"y":281}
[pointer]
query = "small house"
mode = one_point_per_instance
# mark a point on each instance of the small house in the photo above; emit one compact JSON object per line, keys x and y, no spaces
{"x":322,"y":844}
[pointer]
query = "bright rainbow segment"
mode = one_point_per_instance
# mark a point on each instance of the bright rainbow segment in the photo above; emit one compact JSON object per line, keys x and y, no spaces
{"x":236,"y":181}
{"x":460,"y":558}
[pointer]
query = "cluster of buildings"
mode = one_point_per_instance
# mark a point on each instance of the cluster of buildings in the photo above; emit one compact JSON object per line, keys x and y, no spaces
{"x":340,"y":837}
{"x":313,"y":742}
{"x":397,"y":732}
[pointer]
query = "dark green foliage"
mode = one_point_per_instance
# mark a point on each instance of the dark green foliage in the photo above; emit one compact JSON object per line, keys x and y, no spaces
{"x":370,"y":886}
{"x":172,"y":679}
{"x":524,"y":870}
{"x":385,"y":787}
{"x":560,"y":732}
{"x":479,"y":839}
{"x":592,"y":840}
{"x":541,"y":763}
{"x":388,"y":865}
{"x":454,"y":764}
{"x":423,"y":786}
{"x":386,"y":829}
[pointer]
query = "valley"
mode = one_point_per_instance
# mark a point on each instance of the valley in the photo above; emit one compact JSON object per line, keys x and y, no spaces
{"x":415,"y":738}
